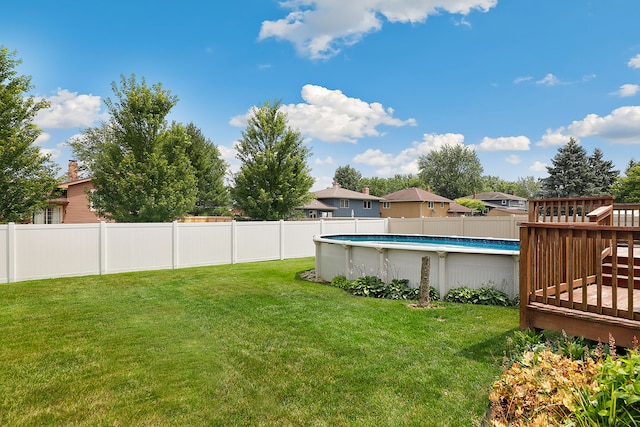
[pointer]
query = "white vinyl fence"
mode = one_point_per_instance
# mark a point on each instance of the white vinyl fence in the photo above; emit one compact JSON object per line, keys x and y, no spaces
{"x":499,"y":227}
{"x":30,"y":251}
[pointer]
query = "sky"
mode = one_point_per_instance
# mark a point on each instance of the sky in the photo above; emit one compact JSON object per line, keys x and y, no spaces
{"x":374,"y":84}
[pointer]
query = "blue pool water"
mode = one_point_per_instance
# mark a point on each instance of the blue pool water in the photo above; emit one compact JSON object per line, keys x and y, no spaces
{"x":464,"y":242}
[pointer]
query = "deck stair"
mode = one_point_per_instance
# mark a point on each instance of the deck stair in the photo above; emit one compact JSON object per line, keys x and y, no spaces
{"x":622,"y":272}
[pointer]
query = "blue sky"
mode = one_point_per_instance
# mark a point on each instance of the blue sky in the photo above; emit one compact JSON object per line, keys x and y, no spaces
{"x":373,"y":84}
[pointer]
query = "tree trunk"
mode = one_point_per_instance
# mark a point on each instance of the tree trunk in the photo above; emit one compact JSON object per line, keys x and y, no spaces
{"x":423,"y":292}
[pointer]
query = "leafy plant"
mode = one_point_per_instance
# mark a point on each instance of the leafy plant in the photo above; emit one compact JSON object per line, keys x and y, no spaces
{"x":616,"y":399}
{"x":483,"y":296}
{"x":374,"y":287}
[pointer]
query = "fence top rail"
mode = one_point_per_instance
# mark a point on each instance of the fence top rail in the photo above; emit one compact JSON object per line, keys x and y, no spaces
{"x":573,"y":199}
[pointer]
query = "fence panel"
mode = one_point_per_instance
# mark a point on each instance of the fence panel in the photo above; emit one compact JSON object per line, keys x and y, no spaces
{"x":136,"y":247}
{"x":43,"y":251}
{"x":498,"y":227}
{"x":294,"y":245}
{"x":257,"y":241}
{"x":201,"y":244}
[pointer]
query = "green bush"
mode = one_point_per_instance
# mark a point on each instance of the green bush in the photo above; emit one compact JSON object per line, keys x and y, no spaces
{"x":482,"y":296}
{"x":374,"y":287}
{"x":616,"y":399}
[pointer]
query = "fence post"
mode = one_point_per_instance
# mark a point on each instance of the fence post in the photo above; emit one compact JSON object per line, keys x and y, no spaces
{"x":174,"y":245}
{"x":355,"y":225}
{"x":281,"y":240}
{"x":233,"y":242}
{"x":102,"y":247}
{"x":321,"y":227}
{"x":11,"y":252}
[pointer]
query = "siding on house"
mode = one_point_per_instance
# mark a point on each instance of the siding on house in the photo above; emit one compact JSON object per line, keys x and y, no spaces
{"x":350,"y":203}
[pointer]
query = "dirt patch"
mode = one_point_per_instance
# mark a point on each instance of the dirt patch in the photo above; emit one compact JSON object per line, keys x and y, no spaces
{"x":310,"y":276}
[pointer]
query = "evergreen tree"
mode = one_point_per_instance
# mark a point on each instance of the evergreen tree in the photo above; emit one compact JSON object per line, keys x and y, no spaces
{"x":28,"y":176}
{"x":141,"y":171}
{"x":210,"y":170}
{"x":603,"y":173}
{"x":274,"y":178}
{"x":452,"y":171}
{"x":348,"y":178}
{"x":570,"y":175}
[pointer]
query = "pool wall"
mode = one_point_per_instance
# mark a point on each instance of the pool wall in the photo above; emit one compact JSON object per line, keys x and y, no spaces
{"x":450,"y":267}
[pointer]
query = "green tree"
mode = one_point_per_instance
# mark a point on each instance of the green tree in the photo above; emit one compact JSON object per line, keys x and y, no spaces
{"x":141,"y":171}
{"x":475,"y":204}
{"x":528,"y":187}
{"x":274,"y":177}
{"x":495,"y":183}
{"x":627,"y":188}
{"x":570,"y":175}
{"x":348,"y":178}
{"x":28,"y":176}
{"x":210,"y":170}
{"x":452,"y":171}
{"x":603,"y":173}
{"x":377,"y":186}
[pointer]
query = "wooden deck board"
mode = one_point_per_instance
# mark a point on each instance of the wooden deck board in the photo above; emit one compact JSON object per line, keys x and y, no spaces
{"x":607,"y":297}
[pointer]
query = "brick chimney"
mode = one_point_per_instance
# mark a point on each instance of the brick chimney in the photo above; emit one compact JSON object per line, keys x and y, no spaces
{"x":72,"y":174}
{"x":429,"y":188}
{"x":365,"y":190}
{"x":336,"y":185}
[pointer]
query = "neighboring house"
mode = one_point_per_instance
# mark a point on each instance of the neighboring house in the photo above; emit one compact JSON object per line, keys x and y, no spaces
{"x":497,"y":200}
{"x":72,"y":207}
{"x":349,"y":204}
{"x":317,"y":209}
{"x":419,"y":203}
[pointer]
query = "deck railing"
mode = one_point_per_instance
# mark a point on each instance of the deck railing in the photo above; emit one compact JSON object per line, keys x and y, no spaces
{"x":562,"y":265}
{"x":565,"y":209}
{"x":579,"y":268}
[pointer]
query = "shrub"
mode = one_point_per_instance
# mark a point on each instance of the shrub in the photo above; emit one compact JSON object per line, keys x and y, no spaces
{"x":482,"y":296}
{"x":615,"y":401}
{"x":374,"y":287}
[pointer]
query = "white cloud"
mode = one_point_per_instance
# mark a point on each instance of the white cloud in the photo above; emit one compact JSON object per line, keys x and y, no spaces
{"x":320,"y":28}
{"x":326,"y":161}
{"x":322,"y":182}
{"x":69,"y":110}
{"x":514,"y":159}
{"x":407,"y":160}
{"x":520,"y":143}
{"x":621,"y":126}
{"x":538,"y":167}
{"x":331,"y":116}
{"x":627,"y":90}
{"x":634,"y":62}
{"x":519,"y":80}
{"x":549,"y":80}
{"x":554,"y":137}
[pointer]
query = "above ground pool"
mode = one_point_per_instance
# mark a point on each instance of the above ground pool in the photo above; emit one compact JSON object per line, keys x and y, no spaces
{"x":454,"y":261}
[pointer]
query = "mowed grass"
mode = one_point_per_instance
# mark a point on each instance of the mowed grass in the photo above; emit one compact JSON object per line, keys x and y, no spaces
{"x":246,"y":344}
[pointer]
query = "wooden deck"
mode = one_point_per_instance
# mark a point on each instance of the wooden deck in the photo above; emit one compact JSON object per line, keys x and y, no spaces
{"x":580,"y":273}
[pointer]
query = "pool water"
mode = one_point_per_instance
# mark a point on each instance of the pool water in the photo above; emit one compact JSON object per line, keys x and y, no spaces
{"x":447,"y":241}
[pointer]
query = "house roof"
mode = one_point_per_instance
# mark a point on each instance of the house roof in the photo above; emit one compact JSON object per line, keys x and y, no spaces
{"x":456,"y":208}
{"x":343,"y":193}
{"x":415,"y":195}
{"x":77,"y":181}
{"x":318,"y":205}
{"x":495,"y":195}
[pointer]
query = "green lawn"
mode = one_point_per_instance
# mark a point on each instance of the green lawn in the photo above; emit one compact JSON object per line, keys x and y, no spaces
{"x":246,"y":344}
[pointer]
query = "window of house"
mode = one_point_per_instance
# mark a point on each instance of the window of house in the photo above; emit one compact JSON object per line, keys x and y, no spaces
{"x":344,"y":203}
{"x":367,"y":204}
{"x":430,"y":205}
{"x":48,"y":216}
{"x":386,"y":205}
{"x":442,"y":205}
